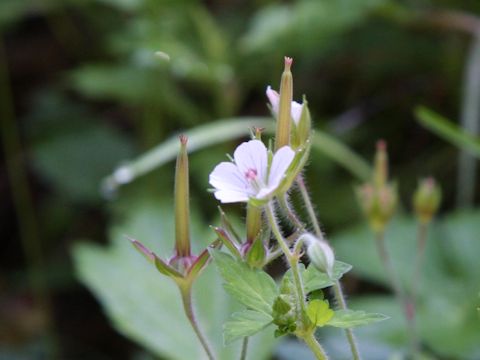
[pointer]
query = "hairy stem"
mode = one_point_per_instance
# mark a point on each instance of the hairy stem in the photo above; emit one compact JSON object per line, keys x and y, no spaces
{"x":243,"y":354}
{"x":186,"y":293}
{"x":283,"y":201}
{"x":337,"y":288}
{"x":291,"y":258}
{"x":315,"y":346}
{"x":309,"y":206}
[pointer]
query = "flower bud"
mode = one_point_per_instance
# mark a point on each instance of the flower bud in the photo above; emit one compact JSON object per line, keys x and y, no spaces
{"x":378,"y":198}
{"x":378,"y":204}
{"x":426,"y":199}
{"x":182,"y":207}
{"x":320,"y":253}
{"x":301,"y":129}
{"x":255,"y":253}
{"x":257,"y":132}
{"x":282,"y":136}
{"x":380,"y":174}
{"x":304,"y":126}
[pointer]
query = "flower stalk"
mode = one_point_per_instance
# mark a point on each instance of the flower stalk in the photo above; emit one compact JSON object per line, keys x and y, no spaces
{"x":337,"y":288}
{"x":304,"y":331}
{"x":183,"y":267}
{"x":186,"y":293}
{"x":426,"y":201}
{"x":315,"y":346}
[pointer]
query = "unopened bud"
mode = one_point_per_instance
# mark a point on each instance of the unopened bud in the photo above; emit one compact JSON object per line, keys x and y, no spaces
{"x":257,"y":132}
{"x":302,"y":129}
{"x":426,"y":199}
{"x":282,"y":136}
{"x":320,"y":253}
{"x":378,"y":204}
{"x":378,"y":199}
{"x":380,"y":175}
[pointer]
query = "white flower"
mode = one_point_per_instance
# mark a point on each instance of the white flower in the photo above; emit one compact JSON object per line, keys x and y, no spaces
{"x":274,"y":99}
{"x":249,"y":176}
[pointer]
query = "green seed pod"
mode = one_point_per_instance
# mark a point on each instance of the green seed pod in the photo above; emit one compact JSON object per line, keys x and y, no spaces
{"x":282,"y":135}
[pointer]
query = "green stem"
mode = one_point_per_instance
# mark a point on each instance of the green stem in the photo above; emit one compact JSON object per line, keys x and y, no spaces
{"x":291,"y":258}
{"x":186,"y":292}
{"x":283,"y":201}
{"x":315,"y":346}
{"x":417,"y":275}
{"x":309,"y":206}
{"x":470,"y":122}
{"x":395,"y":282}
{"x":243,"y":354}
{"x":337,"y":288}
{"x":388,"y":265}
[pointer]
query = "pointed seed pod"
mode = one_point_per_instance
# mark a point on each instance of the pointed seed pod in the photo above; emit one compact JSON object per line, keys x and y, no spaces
{"x":282,"y":136}
{"x":182,"y":206}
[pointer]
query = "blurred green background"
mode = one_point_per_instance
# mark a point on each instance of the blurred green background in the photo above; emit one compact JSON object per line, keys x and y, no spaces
{"x":82,"y":92}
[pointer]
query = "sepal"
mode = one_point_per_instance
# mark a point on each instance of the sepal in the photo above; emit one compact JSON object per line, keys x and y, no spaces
{"x":161,"y":265}
{"x":225,"y":238}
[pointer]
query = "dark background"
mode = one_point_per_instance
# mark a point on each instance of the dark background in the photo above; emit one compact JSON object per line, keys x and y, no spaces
{"x":81,"y":91}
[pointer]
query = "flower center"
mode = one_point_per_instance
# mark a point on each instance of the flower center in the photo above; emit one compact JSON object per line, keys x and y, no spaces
{"x":251,"y":174}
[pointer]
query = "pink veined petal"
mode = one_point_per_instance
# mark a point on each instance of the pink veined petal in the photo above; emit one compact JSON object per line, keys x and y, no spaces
{"x":280,"y":163}
{"x":296,"y":111}
{"x":252,"y":155}
{"x":226,"y":176}
{"x":274,"y":98}
{"x":231,"y":196}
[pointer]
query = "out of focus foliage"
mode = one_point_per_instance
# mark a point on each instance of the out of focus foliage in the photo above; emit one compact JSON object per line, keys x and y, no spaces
{"x":90,"y":92}
{"x":448,"y":289}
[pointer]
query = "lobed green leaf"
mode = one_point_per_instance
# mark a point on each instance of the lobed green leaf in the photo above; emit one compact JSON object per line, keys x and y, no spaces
{"x":253,"y":288}
{"x":244,"y":323}
{"x":314,"y":279}
{"x":352,"y":318}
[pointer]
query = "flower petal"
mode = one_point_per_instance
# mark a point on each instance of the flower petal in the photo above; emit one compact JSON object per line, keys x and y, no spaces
{"x":231,"y":196}
{"x":296,"y":111}
{"x":226,"y":176}
{"x":252,"y":155}
{"x":274,"y":98}
{"x":280,"y":163}
{"x":265,"y":193}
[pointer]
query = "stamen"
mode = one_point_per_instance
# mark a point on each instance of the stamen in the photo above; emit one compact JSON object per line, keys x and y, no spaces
{"x":251,"y":174}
